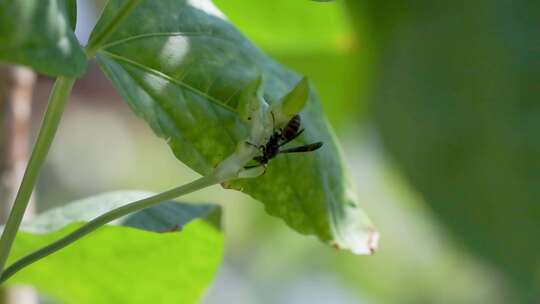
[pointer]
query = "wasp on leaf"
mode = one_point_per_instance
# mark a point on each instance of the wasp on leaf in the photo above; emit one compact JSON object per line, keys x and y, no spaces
{"x":280,"y":138}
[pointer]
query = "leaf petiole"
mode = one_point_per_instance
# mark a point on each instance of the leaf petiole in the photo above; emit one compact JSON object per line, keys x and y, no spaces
{"x":57,"y":100}
{"x":231,"y":168}
{"x":105,"y":218}
{"x":97,"y":41}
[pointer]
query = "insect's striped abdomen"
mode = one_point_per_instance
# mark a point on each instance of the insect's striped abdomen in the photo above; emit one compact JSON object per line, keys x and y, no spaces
{"x":291,"y":128}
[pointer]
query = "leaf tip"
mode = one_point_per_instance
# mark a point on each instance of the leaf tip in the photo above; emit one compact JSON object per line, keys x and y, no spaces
{"x":352,"y":229}
{"x":363,"y":243}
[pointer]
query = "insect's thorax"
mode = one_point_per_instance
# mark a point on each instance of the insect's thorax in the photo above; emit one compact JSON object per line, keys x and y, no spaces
{"x":281,"y":137}
{"x":272,"y":146}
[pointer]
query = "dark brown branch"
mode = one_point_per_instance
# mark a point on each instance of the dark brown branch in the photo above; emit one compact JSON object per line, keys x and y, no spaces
{"x":16,"y":87}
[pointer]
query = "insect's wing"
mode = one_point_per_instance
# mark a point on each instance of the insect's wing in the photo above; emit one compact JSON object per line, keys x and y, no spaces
{"x":286,"y":141}
{"x":254,"y":166}
{"x":305,"y":148}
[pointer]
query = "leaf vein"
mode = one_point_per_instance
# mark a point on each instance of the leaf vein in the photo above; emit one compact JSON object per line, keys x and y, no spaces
{"x":168,"y":78}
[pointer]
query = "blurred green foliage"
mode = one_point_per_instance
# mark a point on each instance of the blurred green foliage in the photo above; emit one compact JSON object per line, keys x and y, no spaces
{"x":457,"y":104}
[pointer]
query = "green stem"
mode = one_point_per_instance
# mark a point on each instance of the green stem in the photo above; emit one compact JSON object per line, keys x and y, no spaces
{"x":57,"y":100}
{"x":105,"y":218}
{"x":97,"y":41}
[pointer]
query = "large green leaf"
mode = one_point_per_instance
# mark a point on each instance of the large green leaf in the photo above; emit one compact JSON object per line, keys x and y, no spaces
{"x":458,"y":108}
{"x":38,"y":33}
{"x":183,"y":73}
{"x":165,"y":254}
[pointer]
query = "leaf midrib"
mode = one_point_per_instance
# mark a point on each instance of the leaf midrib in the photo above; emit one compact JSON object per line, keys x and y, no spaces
{"x":150,"y":35}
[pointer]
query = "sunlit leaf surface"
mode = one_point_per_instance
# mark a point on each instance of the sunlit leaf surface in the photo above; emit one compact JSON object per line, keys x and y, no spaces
{"x":165,"y":254}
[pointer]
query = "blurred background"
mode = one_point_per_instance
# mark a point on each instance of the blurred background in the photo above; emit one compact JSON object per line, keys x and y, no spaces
{"x":436,"y":106}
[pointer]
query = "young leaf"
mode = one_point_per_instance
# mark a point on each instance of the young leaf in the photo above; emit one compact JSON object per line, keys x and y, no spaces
{"x":39,"y":34}
{"x":164,"y":254}
{"x":185,"y":74}
{"x":295,"y":101}
{"x":292,"y":103}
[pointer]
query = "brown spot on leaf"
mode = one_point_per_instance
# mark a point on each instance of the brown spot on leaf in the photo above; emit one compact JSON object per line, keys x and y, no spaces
{"x":174,"y":228}
{"x":335,"y":245}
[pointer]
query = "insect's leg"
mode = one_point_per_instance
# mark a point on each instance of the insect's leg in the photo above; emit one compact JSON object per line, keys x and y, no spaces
{"x":292,"y":138}
{"x":253,"y":145}
{"x":279,"y":130}
{"x":260,"y":162}
{"x":304,"y":148}
{"x":262,"y":148}
{"x":264,"y":165}
{"x":253,"y":166}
